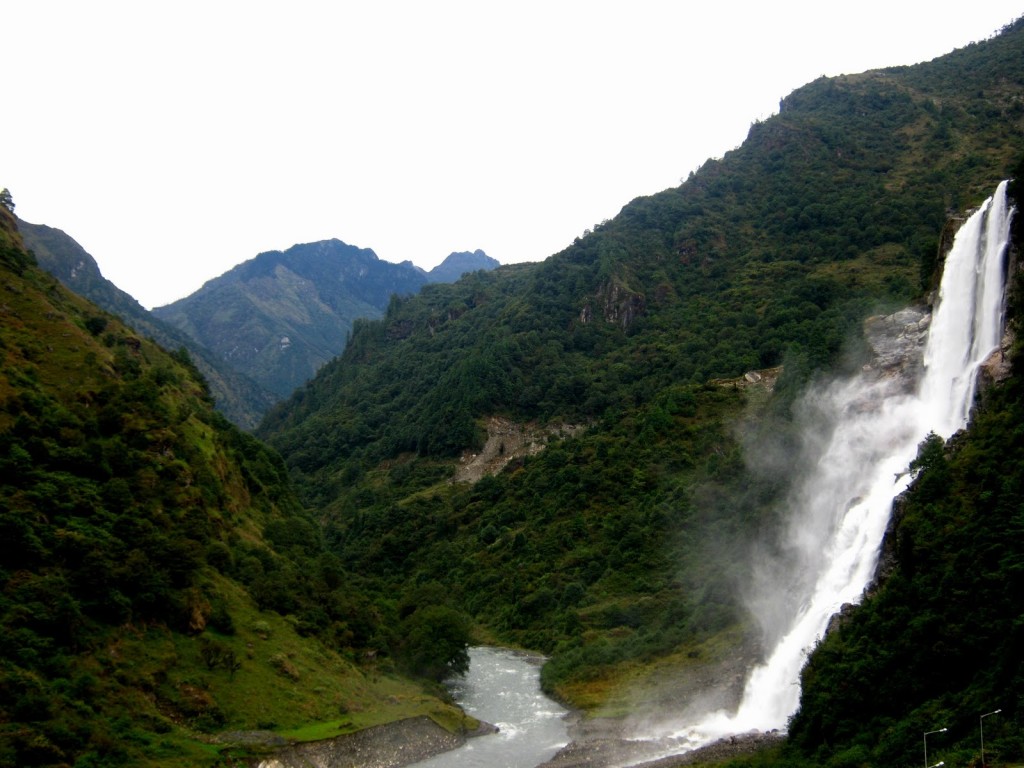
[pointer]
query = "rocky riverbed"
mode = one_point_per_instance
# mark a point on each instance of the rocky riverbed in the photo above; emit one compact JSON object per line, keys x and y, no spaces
{"x":384,"y":746}
{"x":608,"y":743}
{"x":609,"y":753}
{"x":409,"y":741}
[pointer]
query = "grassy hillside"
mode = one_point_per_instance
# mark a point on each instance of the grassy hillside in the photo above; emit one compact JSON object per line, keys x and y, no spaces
{"x":242,"y":401}
{"x":160,"y":585}
{"x":619,"y":546}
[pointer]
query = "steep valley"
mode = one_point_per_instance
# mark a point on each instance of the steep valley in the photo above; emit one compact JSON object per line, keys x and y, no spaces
{"x":589,"y":457}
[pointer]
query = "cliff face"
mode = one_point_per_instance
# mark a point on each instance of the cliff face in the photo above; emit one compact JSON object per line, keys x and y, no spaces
{"x":897,"y":341}
{"x":616,"y":304}
{"x":508,"y":441}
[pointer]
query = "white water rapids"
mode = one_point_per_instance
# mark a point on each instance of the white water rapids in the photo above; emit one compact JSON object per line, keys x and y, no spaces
{"x":502,"y":687}
{"x":839,"y":513}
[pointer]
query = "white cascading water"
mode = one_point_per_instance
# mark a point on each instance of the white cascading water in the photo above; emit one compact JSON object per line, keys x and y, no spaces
{"x":839,"y":514}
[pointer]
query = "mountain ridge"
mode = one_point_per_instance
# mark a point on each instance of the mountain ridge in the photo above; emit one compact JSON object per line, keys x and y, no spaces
{"x":279,"y":316}
{"x":241,"y":398}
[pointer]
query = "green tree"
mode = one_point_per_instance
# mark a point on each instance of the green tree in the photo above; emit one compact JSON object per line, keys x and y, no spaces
{"x":436,"y":642}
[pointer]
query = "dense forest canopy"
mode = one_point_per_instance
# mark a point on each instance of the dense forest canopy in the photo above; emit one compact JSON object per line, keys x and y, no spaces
{"x":829,"y":211}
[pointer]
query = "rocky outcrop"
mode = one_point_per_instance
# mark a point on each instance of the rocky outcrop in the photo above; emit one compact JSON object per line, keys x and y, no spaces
{"x":765,"y":379}
{"x":897,"y":341}
{"x":888,"y":560}
{"x":996,"y":367}
{"x":618,"y":305}
{"x":621,"y":306}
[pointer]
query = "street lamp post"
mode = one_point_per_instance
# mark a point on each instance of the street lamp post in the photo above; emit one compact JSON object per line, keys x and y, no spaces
{"x":981,"y":729}
{"x":929,"y":733}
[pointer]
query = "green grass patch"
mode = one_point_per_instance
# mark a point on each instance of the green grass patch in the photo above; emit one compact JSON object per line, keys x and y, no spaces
{"x":280,"y":682}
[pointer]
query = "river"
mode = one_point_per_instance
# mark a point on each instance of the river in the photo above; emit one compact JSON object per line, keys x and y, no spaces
{"x":502,"y":687}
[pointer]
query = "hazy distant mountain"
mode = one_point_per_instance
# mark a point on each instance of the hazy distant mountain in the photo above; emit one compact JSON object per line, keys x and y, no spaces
{"x":240,"y":399}
{"x":459,"y":263}
{"x":280,"y":316}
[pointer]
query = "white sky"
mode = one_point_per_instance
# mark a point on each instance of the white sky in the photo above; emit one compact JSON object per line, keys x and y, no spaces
{"x":175,"y":140}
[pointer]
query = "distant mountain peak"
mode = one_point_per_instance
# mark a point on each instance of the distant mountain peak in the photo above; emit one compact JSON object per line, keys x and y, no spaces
{"x":459,"y":263}
{"x":282,"y":314}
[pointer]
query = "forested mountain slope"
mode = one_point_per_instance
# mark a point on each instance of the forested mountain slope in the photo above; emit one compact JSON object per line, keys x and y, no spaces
{"x":240,"y":399}
{"x":622,"y":545}
{"x":150,"y":553}
{"x":828,"y":211}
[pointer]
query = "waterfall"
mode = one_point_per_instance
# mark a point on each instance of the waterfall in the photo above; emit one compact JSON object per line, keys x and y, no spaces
{"x":968,"y":322}
{"x":869,"y":431}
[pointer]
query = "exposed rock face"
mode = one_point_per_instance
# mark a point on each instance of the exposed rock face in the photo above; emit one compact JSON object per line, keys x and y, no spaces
{"x":898,"y":343}
{"x":508,"y":440}
{"x":622,"y":307}
{"x":618,"y":304}
{"x":888,"y":560}
{"x":765,"y":379}
{"x":994,"y":370}
{"x":996,"y":367}
{"x":840,"y":617}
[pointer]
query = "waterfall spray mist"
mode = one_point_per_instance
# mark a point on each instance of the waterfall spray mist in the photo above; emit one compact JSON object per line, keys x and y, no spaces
{"x":838,"y":514}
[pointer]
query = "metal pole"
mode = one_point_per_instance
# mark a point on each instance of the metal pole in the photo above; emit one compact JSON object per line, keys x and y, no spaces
{"x":929,"y":733}
{"x":981,"y":728}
